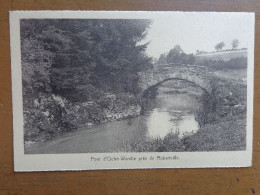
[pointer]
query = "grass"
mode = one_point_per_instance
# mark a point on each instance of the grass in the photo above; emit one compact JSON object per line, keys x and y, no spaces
{"x":234,"y":75}
{"x":224,"y":55}
{"x":228,"y":135}
{"x":170,"y":142}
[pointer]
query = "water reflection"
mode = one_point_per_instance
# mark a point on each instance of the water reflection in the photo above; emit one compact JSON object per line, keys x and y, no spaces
{"x":160,"y":123}
{"x":171,"y":112}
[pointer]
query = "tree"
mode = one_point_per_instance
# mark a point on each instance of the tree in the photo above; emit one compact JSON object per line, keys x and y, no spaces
{"x":235,"y":43}
{"x":36,"y":62}
{"x":174,"y":55}
{"x":162,"y":59}
{"x":89,"y":57}
{"x":220,"y":46}
{"x":187,"y":58}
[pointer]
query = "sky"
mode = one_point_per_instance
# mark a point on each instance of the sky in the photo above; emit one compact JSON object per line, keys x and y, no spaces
{"x":197,"y":32}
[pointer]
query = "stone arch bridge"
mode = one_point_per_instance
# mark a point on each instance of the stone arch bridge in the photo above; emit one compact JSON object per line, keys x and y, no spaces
{"x":194,"y":74}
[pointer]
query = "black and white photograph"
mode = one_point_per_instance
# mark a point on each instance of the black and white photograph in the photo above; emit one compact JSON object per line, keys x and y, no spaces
{"x":119,"y":86}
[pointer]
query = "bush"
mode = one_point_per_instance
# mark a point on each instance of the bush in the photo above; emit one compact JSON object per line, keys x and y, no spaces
{"x":226,"y":98}
{"x":169,"y":143}
{"x":47,"y":118}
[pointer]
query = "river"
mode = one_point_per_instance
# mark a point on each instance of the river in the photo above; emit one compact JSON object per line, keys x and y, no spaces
{"x":171,"y":111}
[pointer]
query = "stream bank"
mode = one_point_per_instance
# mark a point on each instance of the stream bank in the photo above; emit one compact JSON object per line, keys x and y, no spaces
{"x":51,"y":115}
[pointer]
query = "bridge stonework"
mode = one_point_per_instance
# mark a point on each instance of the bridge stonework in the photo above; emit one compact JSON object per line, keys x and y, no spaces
{"x":197,"y":75}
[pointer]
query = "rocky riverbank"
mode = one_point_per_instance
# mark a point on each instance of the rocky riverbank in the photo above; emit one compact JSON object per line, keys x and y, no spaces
{"x":52,"y":115}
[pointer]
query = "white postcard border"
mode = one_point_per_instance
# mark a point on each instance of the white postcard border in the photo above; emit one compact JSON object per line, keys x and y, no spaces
{"x":51,"y":162}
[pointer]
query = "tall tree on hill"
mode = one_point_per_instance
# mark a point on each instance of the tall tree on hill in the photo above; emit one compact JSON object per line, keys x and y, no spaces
{"x":235,"y":43}
{"x":220,"y":46}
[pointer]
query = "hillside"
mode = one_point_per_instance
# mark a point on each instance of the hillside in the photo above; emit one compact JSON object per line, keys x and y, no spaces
{"x":223,"y":55}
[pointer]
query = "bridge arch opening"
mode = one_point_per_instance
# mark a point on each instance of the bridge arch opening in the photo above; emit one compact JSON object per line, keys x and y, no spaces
{"x":146,"y":91}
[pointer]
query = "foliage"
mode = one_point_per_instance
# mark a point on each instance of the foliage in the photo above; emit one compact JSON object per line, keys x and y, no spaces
{"x":36,"y":63}
{"x":80,"y":61}
{"x":227,"y":135}
{"x":46,"y":119}
{"x":220,"y":46}
{"x":162,"y":59}
{"x":176,"y":55}
{"x":235,"y":43}
{"x":87,"y":54}
{"x":169,"y":143}
{"x":226,"y":98}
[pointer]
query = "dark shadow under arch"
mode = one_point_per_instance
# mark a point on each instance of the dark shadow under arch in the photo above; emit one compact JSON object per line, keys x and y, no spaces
{"x":168,"y":79}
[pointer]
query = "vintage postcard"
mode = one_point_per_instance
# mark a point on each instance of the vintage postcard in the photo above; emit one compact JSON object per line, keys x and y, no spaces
{"x":131,"y":89}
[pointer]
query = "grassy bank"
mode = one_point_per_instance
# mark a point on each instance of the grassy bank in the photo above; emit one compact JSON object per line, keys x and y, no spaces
{"x":227,"y":135}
